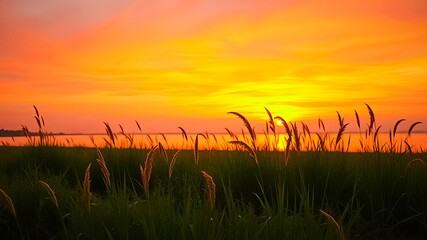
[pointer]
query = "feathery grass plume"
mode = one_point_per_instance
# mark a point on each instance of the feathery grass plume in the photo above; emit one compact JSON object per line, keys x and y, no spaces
{"x":271,"y":121}
{"x":139,"y":126}
{"x":183,"y":133}
{"x":107,"y":143}
{"x":348,"y":143}
{"x":110,"y":133}
{"x":104,"y":170}
{"x":211,"y":187}
{"x":163,"y":152}
{"x":25,"y":130}
{"x":412,"y":127}
{"x":9,"y":203}
{"x":414,"y":161}
{"x":214,"y":137}
{"x":340,"y":119}
{"x":38,"y":121}
{"x":334,"y":223}
{"x":87,"y":195}
{"x":231,"y":134}
{"x":296,"y":136}
{"x":149,"y":138}
{"x":27,"y":134}
{"x":372,"y":119}
{"x":251,"y":151}
{"x":357,"y":119}
{"x":305,"y":129}
{"x":267,"y":129}
{"x":340,"y":133}
{"x":321,"y":124}
{"x":164,"y":138}
{"x":92,"y":140}
{"x":122,"y":131}
{"x":196,"y":148}
{"x":376,"y":134}
{"x":341,"y":129}
{"x":50,"y":192}
{"x":288,"y":149}
{"x":285,"y":124}
{"x":396,"y":125}
{"x":37,"y":111}
{"x":127,"y":136}
{"x":321,"y":145}
{"x":172,"y":163}
{"x":148,"y":168}
{"x":243,"y":134}
{"x":248,"y":126}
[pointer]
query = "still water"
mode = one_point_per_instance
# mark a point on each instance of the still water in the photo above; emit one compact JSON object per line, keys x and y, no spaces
{"x":349,"y":142}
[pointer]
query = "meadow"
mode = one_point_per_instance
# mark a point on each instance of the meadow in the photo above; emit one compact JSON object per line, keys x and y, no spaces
{"x":314,"y":188}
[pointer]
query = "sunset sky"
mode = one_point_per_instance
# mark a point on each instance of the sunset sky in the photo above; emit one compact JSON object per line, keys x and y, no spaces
{"x":169,"y":63}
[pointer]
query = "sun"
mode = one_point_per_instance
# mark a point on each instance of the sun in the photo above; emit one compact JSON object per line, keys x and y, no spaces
{"x":279,"y":123}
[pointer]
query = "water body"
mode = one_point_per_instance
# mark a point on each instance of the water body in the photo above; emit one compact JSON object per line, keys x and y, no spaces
{"x":349,"y":142}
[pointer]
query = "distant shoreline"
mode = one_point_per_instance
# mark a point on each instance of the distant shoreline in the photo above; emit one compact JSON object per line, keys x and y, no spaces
{"x":20,"y":133}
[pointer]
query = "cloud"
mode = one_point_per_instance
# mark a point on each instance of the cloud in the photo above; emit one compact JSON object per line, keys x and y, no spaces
{"x":63,"y":18}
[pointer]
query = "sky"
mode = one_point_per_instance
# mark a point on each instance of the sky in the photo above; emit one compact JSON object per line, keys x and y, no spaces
{"x":170,"y":63}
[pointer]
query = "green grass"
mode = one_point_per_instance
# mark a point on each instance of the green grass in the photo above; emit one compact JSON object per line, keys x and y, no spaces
{"x":368,"y":195}
{"x":314,"y":191}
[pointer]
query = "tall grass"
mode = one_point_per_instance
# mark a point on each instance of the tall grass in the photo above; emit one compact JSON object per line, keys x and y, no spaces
{"x":313,"y":189}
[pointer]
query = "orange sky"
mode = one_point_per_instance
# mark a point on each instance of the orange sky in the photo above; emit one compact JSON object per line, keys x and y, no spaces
{"x":187,"y":63}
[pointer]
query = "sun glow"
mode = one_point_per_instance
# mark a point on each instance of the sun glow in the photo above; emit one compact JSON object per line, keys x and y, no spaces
{"x":279,"y":123}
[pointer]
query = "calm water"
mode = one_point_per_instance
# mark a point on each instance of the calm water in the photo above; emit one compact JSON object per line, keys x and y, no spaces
{"x":417,"y":141}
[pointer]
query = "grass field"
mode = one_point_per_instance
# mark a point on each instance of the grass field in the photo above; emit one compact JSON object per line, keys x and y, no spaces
{"x":252,"y":192}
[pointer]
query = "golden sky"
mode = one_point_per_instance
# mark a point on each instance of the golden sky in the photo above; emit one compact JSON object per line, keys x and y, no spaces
{"x":170,"y":63}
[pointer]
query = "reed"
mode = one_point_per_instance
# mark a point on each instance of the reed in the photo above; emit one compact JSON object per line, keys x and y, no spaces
{"x":251,"y":151}
{"x":110,"y":134}
{"x":357,"y":119}
{"x":231,"y":134}
{"x":397,"y":125}
{"x":172,"y":163}
{"x":183,"y":133}
{"x":334,"y":225}
{"x":196,"y":147}
{"x":288,"y":140}
{"x":248,"y":127}
{"x":137,"y":125}
{"x":104,"y":170}
{"x":211,"y":189}
{"x":9,"y":203}
{"x":372,"y":195}
{"x":128,"y":136}
{"x":372,"y":119}
{"x":321,"y":124}
{"x":412,"y":127}
{"x":163,"y":152}
{"x":147,"y":169}
{"x":50,"y":192}
{"x":87,"y":195}
{"x":271,"y":126}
